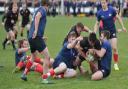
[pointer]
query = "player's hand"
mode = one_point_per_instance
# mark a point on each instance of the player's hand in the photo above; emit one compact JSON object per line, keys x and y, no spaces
{"x":119,"y":30}
{"x":90,"y":31}
{"x":34,"y":34}
{"x":91,"y":51}
{"x":45,"y":38}
{"x":79,"y":38}
{"x":124,"y":29}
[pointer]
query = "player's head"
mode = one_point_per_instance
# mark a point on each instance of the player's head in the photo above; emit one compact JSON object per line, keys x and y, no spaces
{"x":104,"y":4}
{"x":83,"y":45}
{"x":105,"y":35}
{"x":23,"y":43}
{"x":71,"y":36}
{"x":79,"y":27}
{"x":14,"y":7}
{"x":44,"y":2}
{"x":92,"y":38}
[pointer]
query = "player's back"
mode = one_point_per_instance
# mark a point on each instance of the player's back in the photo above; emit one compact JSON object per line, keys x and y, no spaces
{"x":25,"y":14}
{"x":42,"y":22}
{"x":105,"y":61}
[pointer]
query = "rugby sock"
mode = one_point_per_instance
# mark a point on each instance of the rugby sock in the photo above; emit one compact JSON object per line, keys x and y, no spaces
{"x":28,"y":66}
{"x":115,"y":57}
{"x":60,"y":75}
{"x":5,"y":41}
{"x":20,"y":64}
{"x":13,"y":45}
{"x":37,"y":60}
{"x":101,"y":24}
{"x":50,"y":73}
{"x":39,"y":68}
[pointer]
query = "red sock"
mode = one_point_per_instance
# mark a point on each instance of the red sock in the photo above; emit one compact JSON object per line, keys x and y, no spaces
{"x":45,"y":76}
{"x":101,"y":24}
{"x":28,"y":66}
{"x":20,"y":64}
{"x":61,"y":75}
{"x":39,"y":68}
{"x":50,"y":73}
{"x":115,"y":57}
{"x":37,"y":60}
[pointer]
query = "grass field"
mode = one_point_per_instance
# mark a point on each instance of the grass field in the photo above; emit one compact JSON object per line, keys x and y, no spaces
{"x":56,"y":30}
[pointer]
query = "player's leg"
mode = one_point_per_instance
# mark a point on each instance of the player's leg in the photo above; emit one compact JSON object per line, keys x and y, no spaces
{"x":22,"y":28}
{"x":15,"y":31}
{"x":5,"y":41}
{"x":7,"y":29}
{"x":12,"y":35}
{"x":115,"y":52}
{"x":37,"y":68}
{"x":93,"y":66}
{"x":19,"y":66}
{"x":21,"y":33}
{"x":30,"y":62}
{"x":58,"y":70}
{"x":46,"y":63}
{"x":28,"y":66}
{"x":100,"y":74}
{"x":28,"y":28}
{"x":97,"y":76}
{"x":38,"y":60}
{"x":69,"y":73}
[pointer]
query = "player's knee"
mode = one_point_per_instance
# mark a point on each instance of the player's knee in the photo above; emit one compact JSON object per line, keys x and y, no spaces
{"x":46,"y":54}
{"x":114,"y":49}
{"x":63,"y":66}
{"x":51,"y":61}
{"x":28,"y":26}
{"x":94,"y":77}
{"x":74,"y":73}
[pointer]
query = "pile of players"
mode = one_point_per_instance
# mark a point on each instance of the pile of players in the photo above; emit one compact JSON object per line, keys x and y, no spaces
{"x":75,"y":48}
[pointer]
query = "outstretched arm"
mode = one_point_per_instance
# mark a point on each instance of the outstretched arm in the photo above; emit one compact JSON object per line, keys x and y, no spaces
{"x":86,"y":29}
{"x":96,"y":26}
{"x":121,"y":22}
{"x":21,"y":50}
{"x":101,"y":52}
{"x":72,"y":44}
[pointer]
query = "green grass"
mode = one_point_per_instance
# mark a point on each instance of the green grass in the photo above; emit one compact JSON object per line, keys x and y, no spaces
{"x":56,"y":30}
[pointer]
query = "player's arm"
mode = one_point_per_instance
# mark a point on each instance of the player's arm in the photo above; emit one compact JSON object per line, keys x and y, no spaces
{"x":75,"y":42}
{"x":3,"y":18}
{"x":86,"y":29}
{"x":45,"y":38}
{"x":21,"y":50}
{"x":72,"y":44}
{"x":37,"y":20}
{"x":101,"y":52}
{"x":96,"y":26}
{"x":82,"y":70}
{"x":121,"y":22}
